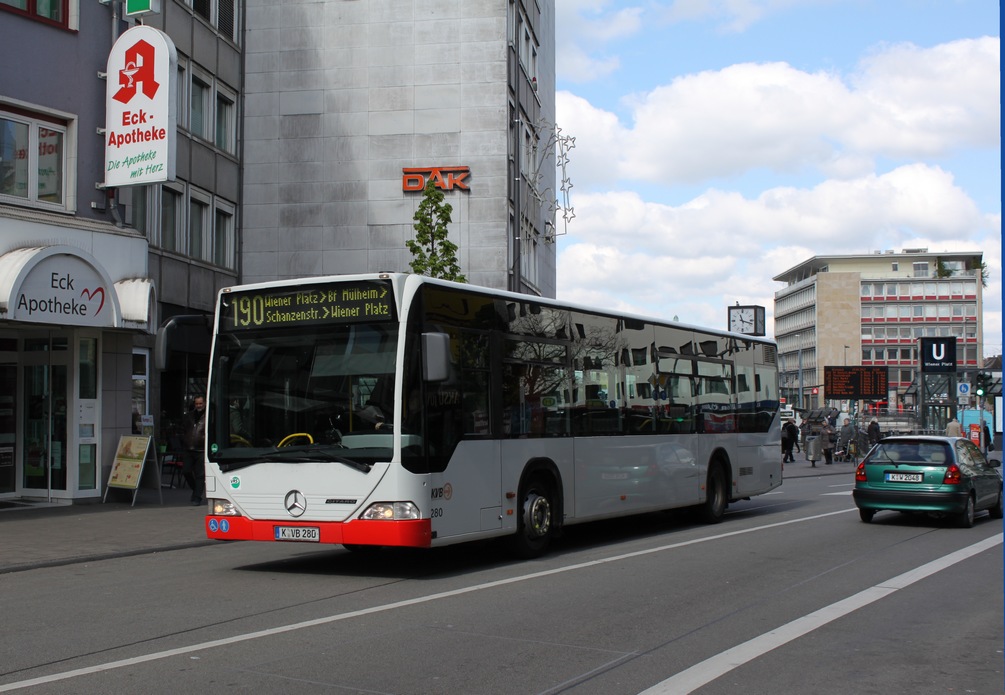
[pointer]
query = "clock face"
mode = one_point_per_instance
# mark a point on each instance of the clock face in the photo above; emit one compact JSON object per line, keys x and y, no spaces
{"x":741,"y":319}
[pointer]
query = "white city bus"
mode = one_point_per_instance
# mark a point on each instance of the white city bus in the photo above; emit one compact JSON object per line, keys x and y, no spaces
{"x":397,"y":410}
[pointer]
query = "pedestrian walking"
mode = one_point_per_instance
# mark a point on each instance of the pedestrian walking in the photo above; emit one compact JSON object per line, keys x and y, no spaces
{"x":874,"y":432}
{"x":953,"y":428}
{"x":988,"y":440}
{"x":790,"y":438}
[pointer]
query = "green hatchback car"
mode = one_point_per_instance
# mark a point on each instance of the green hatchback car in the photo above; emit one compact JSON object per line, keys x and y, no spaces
{"x":945,"y":476}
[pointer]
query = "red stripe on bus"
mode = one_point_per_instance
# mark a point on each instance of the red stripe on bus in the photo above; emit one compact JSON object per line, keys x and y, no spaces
{"x":412,"y":534}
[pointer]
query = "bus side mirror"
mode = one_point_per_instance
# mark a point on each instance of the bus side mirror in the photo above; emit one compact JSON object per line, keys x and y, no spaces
{"x":435,"y":356}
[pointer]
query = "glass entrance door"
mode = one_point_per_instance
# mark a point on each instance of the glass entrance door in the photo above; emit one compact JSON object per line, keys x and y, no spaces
{"x":8,"y":427}
{"x":46,"y":395}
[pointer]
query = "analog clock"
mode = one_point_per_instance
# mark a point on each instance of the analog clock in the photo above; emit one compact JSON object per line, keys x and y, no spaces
{"x":748,"y":320}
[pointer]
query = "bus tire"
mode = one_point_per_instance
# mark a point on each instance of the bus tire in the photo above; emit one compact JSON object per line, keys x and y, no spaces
{"x":717,"y":496}
{"x":535,"y":525}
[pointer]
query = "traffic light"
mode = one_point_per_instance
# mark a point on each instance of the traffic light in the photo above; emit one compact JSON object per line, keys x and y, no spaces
{"x":982,"y":385}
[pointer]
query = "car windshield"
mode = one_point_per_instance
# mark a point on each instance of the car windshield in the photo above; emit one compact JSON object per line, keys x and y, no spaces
{"x":298,"y":396}
{"x":912,"y":452}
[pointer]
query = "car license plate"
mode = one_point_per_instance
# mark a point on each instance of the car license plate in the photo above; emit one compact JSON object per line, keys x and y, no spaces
{"x":309,"y":534}
{"x":903,"y":477}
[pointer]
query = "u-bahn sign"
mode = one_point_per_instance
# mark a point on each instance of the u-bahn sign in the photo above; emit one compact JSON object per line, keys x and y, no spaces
{"x":937,"y":355}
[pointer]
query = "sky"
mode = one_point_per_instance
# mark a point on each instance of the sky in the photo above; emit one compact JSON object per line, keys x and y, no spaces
{"x":719,"y":143}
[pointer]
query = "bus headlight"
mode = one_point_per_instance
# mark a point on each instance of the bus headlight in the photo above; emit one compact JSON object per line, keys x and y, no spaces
{"x":222,"y":508}
{"x":391,"y":511}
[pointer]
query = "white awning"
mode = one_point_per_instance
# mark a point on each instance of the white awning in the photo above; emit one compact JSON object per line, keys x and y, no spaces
{"x":138,"y":300}
{"x":67,"y":286}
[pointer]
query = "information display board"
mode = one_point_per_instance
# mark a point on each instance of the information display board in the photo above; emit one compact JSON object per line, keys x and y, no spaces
{"x":857,"y":383}
{"x":129,"y":465}
{"x":307,"y":305}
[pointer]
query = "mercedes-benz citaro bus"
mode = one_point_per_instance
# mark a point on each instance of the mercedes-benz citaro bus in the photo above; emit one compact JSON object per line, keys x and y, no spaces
{"x":398,"y":410}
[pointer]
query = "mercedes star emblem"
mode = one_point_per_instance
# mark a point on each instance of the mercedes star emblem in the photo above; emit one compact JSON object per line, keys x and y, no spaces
{"x":295,"y":503}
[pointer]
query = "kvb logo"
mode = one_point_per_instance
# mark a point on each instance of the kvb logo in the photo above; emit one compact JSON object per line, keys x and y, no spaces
{"x":139,"y":69}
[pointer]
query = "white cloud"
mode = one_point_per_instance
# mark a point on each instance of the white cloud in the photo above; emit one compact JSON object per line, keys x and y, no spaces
{"x":720,"y":124}
{"x":693,"y":259}
{"x":583,"y":28}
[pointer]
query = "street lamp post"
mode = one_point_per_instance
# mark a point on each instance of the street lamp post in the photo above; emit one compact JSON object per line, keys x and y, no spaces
{"x":799,"y":345}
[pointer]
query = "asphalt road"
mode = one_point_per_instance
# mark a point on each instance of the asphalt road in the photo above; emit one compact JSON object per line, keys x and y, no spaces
{"x":790,"y":594}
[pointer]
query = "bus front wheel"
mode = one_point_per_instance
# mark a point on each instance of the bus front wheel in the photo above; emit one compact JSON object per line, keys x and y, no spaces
{"x":535,"y":524}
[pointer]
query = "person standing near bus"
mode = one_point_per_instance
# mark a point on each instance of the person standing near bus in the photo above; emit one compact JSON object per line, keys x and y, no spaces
{"x":828,"y":437}
{"x":195,"y":448}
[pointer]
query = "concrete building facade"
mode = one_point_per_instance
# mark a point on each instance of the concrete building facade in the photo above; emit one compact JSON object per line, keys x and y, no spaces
{"x":871,"y":310}
{"x":352,"y":106}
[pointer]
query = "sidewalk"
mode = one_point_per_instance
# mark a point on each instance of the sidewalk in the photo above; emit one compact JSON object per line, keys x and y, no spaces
{"x":40,"y":535}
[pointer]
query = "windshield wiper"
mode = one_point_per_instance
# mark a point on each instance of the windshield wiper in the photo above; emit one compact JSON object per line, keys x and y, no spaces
{"x":293,"y":454}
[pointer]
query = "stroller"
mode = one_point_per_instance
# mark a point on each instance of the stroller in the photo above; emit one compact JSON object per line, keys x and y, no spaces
{"x":851,"y":449}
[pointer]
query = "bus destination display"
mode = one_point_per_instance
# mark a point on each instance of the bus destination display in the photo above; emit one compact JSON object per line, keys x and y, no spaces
{"x":307,"y":305}
{"x":864,"y":383}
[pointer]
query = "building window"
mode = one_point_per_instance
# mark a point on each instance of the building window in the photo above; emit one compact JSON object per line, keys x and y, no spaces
{"x":201,"y":108}
{"x":212,"y":112}
{"x":181,"y":95}
{"x":221,"y":14}
{"x":55,"y":12}
{"x":171,"y":231}
{"x":191,"y":221}
{"x":921,"y":270}
{"x":226,"y":120}
{"x":33,"y":155}
{"x":223,"y":235}
{"x":198,"y":225}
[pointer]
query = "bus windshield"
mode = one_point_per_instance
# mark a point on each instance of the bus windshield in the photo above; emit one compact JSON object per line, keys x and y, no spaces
{"x":296,"y":395}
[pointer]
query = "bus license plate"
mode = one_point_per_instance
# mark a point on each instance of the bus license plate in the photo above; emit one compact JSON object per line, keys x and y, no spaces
{"x":309,"y":534}
{"x":903,"y":477}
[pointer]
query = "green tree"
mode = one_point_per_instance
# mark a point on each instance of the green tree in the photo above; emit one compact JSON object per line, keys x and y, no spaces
{"x":433,"y":253}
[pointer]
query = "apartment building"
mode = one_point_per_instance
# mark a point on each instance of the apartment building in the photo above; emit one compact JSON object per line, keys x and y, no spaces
{"x":871,"y":310}
{"x":89,"y":272}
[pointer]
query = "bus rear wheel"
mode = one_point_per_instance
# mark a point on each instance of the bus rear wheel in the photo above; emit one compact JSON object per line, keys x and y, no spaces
{"x":535,"y":525}
{"x":714,"y":507}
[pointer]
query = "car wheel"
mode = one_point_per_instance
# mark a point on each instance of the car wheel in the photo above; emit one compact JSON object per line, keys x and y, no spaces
{"x":866,"y":515}
{"x":997,"y":511}
{"x":966,"y":518}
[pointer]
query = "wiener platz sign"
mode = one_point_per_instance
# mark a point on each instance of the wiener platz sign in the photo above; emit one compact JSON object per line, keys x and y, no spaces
{"x":140,"y":118}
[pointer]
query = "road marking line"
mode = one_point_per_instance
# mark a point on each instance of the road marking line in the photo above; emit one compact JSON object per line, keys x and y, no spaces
{"x":212,"y":644}
{"x":703,"y":673}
